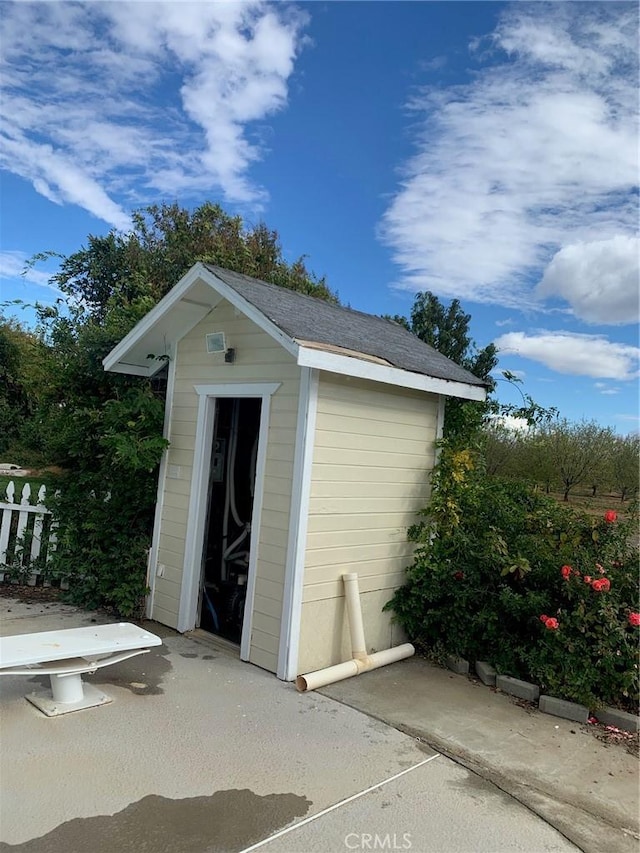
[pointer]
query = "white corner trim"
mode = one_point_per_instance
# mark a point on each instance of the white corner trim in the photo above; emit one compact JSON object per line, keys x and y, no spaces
{"x":298,"y":522}
{"x":440,"y":417}
{"x":439,"y":428}
{"x":350,"y":366}
{"x":162,"y":473}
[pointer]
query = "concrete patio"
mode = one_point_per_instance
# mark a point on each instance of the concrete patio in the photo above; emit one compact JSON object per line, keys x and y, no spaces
{"x":199,"y":752}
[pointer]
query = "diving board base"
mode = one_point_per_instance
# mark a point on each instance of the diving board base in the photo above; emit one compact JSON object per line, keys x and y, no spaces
{"x":91,"y":697}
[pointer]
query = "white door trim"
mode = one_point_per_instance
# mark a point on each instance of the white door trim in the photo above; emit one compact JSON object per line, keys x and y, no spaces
{"x":152,"y":566}
{"x":196,"y":519}
{"x":298,"y":521}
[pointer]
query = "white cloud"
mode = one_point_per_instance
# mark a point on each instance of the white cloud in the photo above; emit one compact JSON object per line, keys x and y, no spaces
{"x":575,"y":354}
{"x":14,"y":265}
{"x":141,"y":99}
{"x":603,"y":388}
{"x":536,"y":154}
{"x":510,"y":423}
{"x":598,"y":279}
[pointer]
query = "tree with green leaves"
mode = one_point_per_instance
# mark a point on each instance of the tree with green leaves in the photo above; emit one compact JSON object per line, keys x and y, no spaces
{"x":105,"y":429}
{"x":447,"y":329}
{"x":625,"y":465}
{"x":576,"y":451}
{"x":20,"y":381}
{"x":504,"y":449}
{"x":129,"y":272}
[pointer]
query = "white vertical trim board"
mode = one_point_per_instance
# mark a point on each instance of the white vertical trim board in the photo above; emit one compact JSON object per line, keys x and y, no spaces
{"x":196,"y":519}
{"x":298,"y":521}
{"x":162,"y":472}
{"x":439,"y":426}
{"x":256,"y":514}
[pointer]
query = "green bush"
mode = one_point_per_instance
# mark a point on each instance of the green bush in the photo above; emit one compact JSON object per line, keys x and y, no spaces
{"x":489,"y":564}
{"x":104,"y":511}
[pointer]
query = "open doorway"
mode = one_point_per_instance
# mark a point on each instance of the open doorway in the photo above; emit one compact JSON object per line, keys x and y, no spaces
{"x":227,"y":533}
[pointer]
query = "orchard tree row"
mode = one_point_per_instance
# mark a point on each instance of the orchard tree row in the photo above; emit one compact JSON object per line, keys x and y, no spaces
{"x":562,"y":456}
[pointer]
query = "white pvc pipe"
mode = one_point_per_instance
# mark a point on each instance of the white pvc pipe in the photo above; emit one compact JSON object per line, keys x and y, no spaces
{"x":67,"y":688}
{"x":361,"y":662}
{"x":354,"y":614}
{"x":322,"y":677}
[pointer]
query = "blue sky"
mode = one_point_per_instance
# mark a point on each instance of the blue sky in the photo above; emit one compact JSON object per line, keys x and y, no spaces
{"x":483,"y":151}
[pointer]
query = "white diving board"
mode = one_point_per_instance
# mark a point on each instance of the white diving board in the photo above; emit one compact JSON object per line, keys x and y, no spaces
{"x":65,"y":655}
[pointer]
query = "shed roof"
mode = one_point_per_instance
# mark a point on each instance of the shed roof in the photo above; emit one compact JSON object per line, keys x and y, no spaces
{"x":309,"y":320}
{"x":317,"y":333}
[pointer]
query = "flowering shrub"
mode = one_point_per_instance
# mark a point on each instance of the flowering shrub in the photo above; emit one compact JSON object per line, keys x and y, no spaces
{"x":507,"y":575}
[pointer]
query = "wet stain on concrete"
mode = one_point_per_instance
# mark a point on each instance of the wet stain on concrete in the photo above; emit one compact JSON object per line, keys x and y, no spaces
{"x":142,"y":675}
{"x":150,"y":670}
{"x":188,"y":655}
{"x":225,"y":822}
{"x":478,"y":788}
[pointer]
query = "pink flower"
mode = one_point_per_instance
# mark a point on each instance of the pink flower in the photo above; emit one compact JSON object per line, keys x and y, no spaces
{"x":634,"y":619}
{"x":587,"y":578}
{"x":610,"y":516}
{"x":565,"y":571}
{"x":600,"y":568}
{"x":552,"y":624}
{"x":602,"y":585}
{"x":544,"y":617}
{"x":459,"y":576}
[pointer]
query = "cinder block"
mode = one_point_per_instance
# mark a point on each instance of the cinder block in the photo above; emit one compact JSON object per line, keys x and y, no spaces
{"x":486,"y":673}
{"x":620,"y":719}
{"x":521,"y":689}
{"x":562,"y":708}
{"x":459,"y":665}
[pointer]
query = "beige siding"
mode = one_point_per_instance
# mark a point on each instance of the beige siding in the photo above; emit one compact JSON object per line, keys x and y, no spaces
{"x":374,"y":448}
{"x":258,"y":359}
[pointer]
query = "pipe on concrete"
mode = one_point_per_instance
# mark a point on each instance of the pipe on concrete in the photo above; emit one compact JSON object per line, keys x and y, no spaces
{"x":354,"y":616}
{"x":361,"y":661}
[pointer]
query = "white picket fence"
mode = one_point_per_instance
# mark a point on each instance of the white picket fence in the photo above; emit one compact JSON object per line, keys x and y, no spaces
{"x":27,"y":536}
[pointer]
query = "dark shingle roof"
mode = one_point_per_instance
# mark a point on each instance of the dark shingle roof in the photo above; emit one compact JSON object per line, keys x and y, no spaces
{"x":306,"y":318}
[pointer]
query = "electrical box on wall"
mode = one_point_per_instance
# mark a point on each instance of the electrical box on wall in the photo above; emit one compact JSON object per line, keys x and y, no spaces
{"x":216,"y":342}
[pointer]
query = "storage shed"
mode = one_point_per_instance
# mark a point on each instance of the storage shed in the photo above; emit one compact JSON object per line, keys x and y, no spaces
{"x":301,"y":438}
